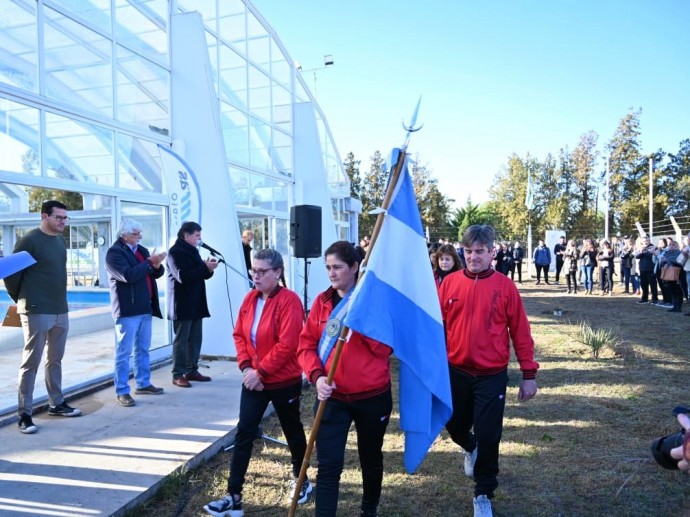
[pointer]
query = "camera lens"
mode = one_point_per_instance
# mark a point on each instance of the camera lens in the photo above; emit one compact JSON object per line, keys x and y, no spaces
{"x":661,"y":449}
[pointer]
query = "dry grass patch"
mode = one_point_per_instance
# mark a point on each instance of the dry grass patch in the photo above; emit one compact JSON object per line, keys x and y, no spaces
{"x":580,"y":448}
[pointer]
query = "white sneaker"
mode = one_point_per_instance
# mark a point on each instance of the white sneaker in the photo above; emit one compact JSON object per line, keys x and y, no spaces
{"x":482,"y":506}
{"x":470,"y":460}
{"x":304,"y":491}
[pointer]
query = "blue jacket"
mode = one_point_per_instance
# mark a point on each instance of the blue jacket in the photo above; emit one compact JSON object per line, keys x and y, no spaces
{"x":129,"y":290}
{"x":542,"y":256}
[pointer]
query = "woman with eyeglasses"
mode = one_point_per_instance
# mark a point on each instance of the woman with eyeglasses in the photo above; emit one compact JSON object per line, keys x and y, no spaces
{"x":360,"y":392}
{"x":266,"y":336}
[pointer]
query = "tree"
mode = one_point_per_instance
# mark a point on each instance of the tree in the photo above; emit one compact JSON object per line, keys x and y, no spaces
{"x":464,"y":217}
{"x":675,"y":181}
{"x":372,"y":192}
{"x":636,"y":206}
{"x":624,"y":171}
{"x":508,"y":195}
{"x":433,"y":205}
{"x":582,"y":205}
{"x":38,"y":195}
{"x":351,"y":167}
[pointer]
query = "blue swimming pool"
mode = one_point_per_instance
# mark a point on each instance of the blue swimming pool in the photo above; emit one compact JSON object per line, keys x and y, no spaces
{"x":76,"y":300}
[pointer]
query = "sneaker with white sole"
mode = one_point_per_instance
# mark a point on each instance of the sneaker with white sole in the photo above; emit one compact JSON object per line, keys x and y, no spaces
{"x":470,"y":460}
{"x":26,"y":425}
{"x":228,"y":506}
{"x":63,"y":410}
{"x":482,"y":506}
{"x":304,"y":491}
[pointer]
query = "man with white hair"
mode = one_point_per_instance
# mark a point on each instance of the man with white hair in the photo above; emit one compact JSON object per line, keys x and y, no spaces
{"x":132,"y":273}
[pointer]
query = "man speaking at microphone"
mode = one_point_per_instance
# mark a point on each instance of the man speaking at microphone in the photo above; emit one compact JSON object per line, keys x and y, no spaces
{"x":187,"y":275}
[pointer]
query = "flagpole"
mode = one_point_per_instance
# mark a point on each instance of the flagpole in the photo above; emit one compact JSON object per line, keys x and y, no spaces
{"x":345,"y":329}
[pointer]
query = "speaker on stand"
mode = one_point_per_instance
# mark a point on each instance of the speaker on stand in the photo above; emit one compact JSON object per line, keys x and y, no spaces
{"x":305,"y":238}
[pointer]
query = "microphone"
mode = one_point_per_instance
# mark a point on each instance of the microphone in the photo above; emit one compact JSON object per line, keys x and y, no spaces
{"x":210,"y":249}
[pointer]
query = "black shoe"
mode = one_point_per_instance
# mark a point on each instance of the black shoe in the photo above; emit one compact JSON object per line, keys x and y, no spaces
{"x":645,"y":302}
{"x":149,"y":390}
{"x":368,"y":514}
{"x":125,"y":400}
{"x":538,"y":282}
{"x":63,"y":410}
{"x":227,"y":506}
{"x":26,"y":425}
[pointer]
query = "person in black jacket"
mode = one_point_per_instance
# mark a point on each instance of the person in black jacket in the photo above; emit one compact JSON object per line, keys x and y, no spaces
{"x":132,"y":274}
{"x":518,"y":256}
{"x":187,"y":275}
{"x":558,"y":251}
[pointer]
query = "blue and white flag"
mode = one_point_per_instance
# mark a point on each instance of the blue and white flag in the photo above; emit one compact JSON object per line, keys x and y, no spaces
{"x":396,"y":302}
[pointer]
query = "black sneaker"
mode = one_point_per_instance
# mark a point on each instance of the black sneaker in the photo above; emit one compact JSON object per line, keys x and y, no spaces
{"x":304,"y":491}
{"x":149,"y":390}
{"x":226,"y":507}
{"x":63,"y":410}
{"x":26,"y":425}
{"x":125,"y":400}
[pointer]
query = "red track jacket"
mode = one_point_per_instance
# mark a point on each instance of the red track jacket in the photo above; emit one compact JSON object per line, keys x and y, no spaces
{"x":364,"y":367}
{"x":276,"y":337}
{"x":482,"y":313}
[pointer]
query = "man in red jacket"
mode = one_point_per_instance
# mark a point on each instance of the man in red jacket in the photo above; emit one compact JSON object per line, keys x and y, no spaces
{"x":482,"y":312}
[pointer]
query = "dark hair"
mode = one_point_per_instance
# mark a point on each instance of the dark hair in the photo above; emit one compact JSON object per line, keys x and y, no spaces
{"x":274,"y":259}
{"x":188,"y":228}
{"x":361,"y":252}
{"x":345,"y":251}
{"x":47,"y":206}
{"x":481,"y":233}
{"x":447,"y":249}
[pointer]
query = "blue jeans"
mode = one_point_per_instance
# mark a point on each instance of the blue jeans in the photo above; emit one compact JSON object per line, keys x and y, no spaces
{"x":132,"y":333}
{"x":588,"y":277}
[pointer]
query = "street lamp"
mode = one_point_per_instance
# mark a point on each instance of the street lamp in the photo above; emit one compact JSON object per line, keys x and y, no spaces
{"x":328,"y":61}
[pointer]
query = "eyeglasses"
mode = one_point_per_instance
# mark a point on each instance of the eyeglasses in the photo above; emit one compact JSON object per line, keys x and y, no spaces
{"x":136,"y":234}
{"x":260,"y":272}
{"x":60,"y":218}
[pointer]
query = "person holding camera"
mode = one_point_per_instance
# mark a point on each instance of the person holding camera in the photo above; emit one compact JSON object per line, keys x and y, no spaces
{"x":677,"y":452}
{"x":668,"y":450}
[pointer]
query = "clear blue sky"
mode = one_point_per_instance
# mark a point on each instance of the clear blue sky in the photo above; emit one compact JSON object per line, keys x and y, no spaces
{"x":496,"y":78}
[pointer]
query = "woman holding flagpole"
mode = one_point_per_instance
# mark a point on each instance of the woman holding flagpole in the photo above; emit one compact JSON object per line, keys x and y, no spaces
{"x":266,"y":336}
{"x":360,"y":392}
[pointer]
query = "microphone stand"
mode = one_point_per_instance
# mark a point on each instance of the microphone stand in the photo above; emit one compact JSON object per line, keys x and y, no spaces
{"x":221,"y":260}
{"x":306,"y":282}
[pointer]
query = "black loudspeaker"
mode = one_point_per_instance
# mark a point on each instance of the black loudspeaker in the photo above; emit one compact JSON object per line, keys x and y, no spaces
{"x":305,"y":231}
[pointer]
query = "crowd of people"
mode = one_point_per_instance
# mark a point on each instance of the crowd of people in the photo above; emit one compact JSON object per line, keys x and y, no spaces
{"x":277,"y":348}
{"x":658,"y":273}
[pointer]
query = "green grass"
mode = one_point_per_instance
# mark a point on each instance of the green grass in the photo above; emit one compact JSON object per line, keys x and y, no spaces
{"x":580,"y":448}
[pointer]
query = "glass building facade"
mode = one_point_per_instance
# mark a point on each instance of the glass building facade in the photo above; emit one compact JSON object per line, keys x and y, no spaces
{"x":86,"y":99}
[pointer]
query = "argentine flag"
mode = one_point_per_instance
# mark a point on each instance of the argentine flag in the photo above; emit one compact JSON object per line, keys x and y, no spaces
{"x":396,"y":302}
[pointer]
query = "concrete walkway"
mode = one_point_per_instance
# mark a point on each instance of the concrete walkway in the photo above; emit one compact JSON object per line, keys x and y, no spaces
{"x":111,"y":458}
